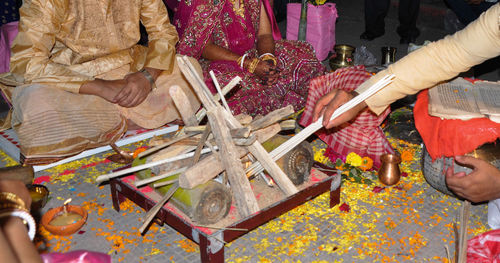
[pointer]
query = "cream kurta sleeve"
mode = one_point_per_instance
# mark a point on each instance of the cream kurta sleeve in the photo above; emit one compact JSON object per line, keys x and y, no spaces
{"x":439,"y":61}
{"x":31,"y":48}
{"x":162,"y":35}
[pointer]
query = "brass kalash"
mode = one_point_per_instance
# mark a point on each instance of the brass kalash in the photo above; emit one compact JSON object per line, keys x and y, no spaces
{"x":343,"y":57}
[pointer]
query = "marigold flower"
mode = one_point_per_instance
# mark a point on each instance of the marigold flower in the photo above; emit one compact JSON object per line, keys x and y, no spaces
{"x":366,"y":163}
{"x":353,"y":159}
{"x":407,"y":156}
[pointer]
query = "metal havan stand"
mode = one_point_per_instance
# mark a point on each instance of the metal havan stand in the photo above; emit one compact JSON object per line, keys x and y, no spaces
{"x":211,"y":245}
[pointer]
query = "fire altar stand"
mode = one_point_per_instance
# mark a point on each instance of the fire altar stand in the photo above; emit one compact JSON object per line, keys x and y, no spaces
{"x":211,"y":239}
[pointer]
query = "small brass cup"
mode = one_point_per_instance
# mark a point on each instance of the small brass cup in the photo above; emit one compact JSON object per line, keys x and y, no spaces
{"x":343,"y":57}
{"x":389,"y":173}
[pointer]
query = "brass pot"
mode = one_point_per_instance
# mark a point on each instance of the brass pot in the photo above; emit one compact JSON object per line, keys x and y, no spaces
{"x":343,"y":57}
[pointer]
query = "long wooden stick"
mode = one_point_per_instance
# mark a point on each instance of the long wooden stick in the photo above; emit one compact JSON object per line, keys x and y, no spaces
{"x":156,"y":208}
{"x":284,"y":148}
{"x":462,"y":241}
{"x":106,"y":177}
{"x":164,"y":145}
{"x":159,"y":177}
{"x":219,"y":91}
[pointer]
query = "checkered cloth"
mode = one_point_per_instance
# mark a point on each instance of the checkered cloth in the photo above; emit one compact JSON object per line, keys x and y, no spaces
{"x":363,"y":135}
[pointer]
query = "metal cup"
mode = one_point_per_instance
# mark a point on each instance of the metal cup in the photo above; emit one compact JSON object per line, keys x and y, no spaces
{"x":389,"y":173}
{"x":388,"y":55}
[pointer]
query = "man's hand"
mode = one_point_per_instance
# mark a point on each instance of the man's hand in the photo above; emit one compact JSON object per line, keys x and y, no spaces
{"x":106,"y":89}
{"x":135,"y":90}
{"x":482,"y":184}
{"x":327,"y":104}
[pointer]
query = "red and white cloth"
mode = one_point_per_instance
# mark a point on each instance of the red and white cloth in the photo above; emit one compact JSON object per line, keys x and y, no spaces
{"x":362,"y":135}
{"x":484,"y":248}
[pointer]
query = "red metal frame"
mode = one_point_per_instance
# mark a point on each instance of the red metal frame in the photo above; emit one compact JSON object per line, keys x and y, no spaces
{"x":121,"y":190}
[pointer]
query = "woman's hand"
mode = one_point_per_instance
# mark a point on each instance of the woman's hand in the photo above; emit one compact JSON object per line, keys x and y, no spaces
{"x":482,"y":184}
{"x":327,"y":104}
{"x":267,"y":72}
{"x":18,"y":188}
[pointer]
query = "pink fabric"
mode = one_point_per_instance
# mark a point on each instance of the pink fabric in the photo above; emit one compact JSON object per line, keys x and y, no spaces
{"x":7,"y":34}
{"x":320,"y":30}
{"x":363,"y":135}
{"x":201,"y":21}
{"x":78,"y":256}
{"x":484,"y":248}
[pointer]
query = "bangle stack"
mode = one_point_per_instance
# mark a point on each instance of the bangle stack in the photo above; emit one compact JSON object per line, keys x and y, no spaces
{"x":241,"y":60}
{"x":253,"y":65}
{"x":13,"y":205}
{"x":268,"y":56}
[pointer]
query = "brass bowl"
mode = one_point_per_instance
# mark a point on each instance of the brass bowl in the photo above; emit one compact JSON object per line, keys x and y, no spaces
{"x":343,"y":57}
{"x":64,"y":230}
{"x":39,"y":196}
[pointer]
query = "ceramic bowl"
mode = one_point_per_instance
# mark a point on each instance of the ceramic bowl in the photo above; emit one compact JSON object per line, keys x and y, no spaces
{"x":66,"y":229}
{"x":39,"y":196}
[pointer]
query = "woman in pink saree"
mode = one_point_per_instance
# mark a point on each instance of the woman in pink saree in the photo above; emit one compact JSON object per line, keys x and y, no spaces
{"x":240,"y":38}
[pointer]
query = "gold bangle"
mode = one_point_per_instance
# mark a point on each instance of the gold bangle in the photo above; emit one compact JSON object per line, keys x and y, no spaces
{"x":253,"y":65}
{"x":12,"y":198}
{"x":269,"y":57}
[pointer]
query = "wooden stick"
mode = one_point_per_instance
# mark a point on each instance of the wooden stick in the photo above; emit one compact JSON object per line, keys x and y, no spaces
{"x":106,"y":177}
{"x":288,"y":125}
{"x":211,"y":166}
{"x":164,"y":145}
{"x":158,"y":177}
{"x":160,"y":184}
{"x":203,"y":112}
{"x":156,"y":208}
{"x":242,"y":191}
{"x":464,"y":220}
{"x":219,"y":91}
{"x":245,"y":141}
{"x":272,"y":118}
{"x":284,"y":148}
{"x":183,"y":105}
{"x":244,"y":119}
{"x":197,"y":152}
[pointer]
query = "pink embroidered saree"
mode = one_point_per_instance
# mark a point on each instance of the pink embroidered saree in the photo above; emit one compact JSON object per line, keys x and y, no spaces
{"x":199,"y":21}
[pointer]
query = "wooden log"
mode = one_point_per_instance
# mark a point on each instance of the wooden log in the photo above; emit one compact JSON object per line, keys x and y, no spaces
{"x":183,"y":105}
{"x":243,"y":132}
{"x":288,"y":125}
{"x":266,"y":160}
{"x":210,"y":166}
{"x":175,"y":139}
{"x":245,"y":141}
{"x":271,"y":118}
{"x":203,"y":112}
{"x":242,"y":191}
{"x":244,"y":119}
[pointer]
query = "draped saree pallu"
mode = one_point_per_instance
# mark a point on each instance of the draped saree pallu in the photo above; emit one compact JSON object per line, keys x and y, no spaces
{"x":201,"y":21}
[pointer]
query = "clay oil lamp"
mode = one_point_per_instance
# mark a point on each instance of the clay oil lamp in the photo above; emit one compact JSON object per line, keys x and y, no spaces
{"x":64,"y":220}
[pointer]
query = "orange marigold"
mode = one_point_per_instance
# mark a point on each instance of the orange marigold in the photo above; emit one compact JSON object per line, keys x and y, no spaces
{"x":366,"y":164}
{"x":407,"y":156}
{"x":139,"y":150}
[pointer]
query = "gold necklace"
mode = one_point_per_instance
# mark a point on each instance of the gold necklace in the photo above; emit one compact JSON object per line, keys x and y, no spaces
{"x":238,"y":7}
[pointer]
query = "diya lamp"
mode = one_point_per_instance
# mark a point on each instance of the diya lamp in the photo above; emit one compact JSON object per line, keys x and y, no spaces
{"x":64,"y":220}
{"x":389,"y":173}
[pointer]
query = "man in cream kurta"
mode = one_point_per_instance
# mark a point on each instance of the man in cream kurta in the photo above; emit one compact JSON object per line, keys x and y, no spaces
{"x":422,"y":69}
{"x":85,"y":77}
